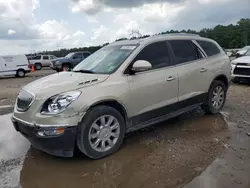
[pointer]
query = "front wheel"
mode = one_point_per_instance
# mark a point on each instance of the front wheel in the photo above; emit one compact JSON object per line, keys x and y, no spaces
{"x":101,"y":132}
{"x":216,"y":98}
{"x":66,"y":67}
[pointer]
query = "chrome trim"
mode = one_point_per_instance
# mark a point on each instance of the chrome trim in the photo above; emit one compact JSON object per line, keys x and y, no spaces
{"x":55,"y":125}
{"x":239,"y":75}
{"x":39,"y":125}
{"x":22,"y":121}
{"x":242,"y":66}
{"x":34,"y":97}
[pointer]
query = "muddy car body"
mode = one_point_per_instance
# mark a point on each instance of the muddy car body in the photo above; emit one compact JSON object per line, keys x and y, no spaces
{"x":123,"y":87}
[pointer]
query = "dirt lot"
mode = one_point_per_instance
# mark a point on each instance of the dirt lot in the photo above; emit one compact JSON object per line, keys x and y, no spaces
{"x":10,"y":86}
{"x":193,"y":150}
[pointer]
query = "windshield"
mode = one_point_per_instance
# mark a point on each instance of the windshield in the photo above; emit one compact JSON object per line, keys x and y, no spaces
{"x":245,"y":48}
{"x":69,"y":55}
{"x":248,"y":53}
{"x":106,"y":60}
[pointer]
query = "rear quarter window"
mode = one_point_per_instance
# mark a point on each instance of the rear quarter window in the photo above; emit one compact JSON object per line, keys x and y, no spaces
{"x":209,"y":48}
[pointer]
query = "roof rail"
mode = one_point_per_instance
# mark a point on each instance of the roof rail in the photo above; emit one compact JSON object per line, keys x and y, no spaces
{"x":177,"y":34}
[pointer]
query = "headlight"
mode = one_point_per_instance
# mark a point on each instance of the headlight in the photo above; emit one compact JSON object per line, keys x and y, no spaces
{"x":234,"y":63}
{"x":60,"y":102}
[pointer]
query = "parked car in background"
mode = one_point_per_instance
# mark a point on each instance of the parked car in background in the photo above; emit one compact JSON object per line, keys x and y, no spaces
{"x":241,"y":68}
{"x":124,"y":86}
{"x":242,"y":51}
{"x":16,"y":65}
{"x":41,"y":61}
{"x":69,"y":61}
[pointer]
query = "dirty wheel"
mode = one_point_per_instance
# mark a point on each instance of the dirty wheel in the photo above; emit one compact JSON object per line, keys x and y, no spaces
{"x":101,"y":132}
{"x":20,"y":73}
{"x":38,"y":66}
{"x":216,"y":98}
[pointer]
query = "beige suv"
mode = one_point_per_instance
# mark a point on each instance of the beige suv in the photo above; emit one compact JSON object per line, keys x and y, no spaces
{"x":123,"y":87}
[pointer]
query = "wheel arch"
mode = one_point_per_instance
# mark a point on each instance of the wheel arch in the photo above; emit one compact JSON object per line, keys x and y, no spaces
{"x":114,"y":104}
{"x":223,"y":78}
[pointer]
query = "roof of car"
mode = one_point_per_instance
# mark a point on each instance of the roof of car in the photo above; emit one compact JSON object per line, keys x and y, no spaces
{"x":158,"y":37}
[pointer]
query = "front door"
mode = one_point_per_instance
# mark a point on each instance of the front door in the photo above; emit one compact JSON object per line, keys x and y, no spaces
{"x":77,"y":58}
{"x":153,"y":92}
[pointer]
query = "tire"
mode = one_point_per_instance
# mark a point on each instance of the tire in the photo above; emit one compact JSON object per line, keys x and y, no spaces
{"x":86,"y":130}
{"x":209,"y":106}
{"x":66,"y":67}
{"x":20,"y":73}
{"x":38,"y":66}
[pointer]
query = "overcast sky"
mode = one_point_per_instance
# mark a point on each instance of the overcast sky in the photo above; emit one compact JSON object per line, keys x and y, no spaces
{"x":32,"y":25}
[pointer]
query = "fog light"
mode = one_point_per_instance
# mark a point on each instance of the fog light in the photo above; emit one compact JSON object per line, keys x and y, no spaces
{"x":50,"y":132}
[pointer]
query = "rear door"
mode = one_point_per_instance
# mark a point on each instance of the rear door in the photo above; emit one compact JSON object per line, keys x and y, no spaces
{"x":154,"y":91}
{"x":193,"y":74}
{"x":45,"y":61}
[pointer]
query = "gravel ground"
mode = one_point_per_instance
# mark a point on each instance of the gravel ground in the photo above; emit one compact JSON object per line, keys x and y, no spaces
{"x":171,"y":154}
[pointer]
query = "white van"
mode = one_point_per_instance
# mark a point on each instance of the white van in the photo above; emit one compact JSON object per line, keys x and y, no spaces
{"x":17,"y":65}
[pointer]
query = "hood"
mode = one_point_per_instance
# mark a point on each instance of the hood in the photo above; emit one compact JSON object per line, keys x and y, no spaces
{"x":243,"y":59}
{"x":62,"y":82}
{"x":242,"y":52}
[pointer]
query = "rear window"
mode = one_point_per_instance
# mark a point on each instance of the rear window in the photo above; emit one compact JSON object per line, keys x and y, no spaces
{"x":209,"y":47}
{"x":45,"y":57}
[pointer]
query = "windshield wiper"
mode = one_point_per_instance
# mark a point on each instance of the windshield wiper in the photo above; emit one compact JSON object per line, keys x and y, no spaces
{"x":85,"y":71}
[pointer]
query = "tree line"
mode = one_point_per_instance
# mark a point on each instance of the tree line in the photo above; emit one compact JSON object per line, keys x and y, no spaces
{"x":228,"y":36}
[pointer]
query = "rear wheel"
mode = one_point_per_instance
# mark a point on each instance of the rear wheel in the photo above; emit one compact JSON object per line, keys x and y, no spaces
{"x":101,"y":132}
{"x":20,"y":73}
{"x":216,"y":98}
{"x":38,"y":66}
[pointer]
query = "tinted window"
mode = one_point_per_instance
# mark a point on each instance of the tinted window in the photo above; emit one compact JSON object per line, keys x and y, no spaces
{"x":209,"y":47}
{"x":157,"y":54}
{"x":45,"y":57}
{"x":36,"y":58}
{"x":85,"y":54}
{"x":185,"y":51}
{"x":77,"y":56}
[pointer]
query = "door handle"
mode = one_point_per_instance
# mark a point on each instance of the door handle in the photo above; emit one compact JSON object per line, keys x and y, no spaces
{"x":203,"y":70}
{"x":170,"y":78}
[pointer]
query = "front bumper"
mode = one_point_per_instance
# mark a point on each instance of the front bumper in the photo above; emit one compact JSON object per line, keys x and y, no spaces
{"x":242,"y":71}
{"x":61,"y":145}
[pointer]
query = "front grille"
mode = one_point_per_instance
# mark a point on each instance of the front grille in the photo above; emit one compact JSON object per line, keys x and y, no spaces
{"x":24,"y":100}
{"x":242,"y":71}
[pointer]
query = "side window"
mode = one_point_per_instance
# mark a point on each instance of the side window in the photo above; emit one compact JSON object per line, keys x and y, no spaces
{"x":156,"y":53}
{"x":185,"y":51}
{"x":45,"y":57}
{"x":86,"y":55}
{"x":77,"y":56}
{"x":36,"y":58}
{"x":52,"y":57}
{"x":209,"y":47}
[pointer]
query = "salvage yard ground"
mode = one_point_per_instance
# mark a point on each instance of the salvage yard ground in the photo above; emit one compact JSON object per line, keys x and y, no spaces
{"x":193,"y":150}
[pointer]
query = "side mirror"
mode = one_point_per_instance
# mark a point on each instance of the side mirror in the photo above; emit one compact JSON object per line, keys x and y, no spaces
{"x":141,"y":65}
{"x":74,"y":57}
